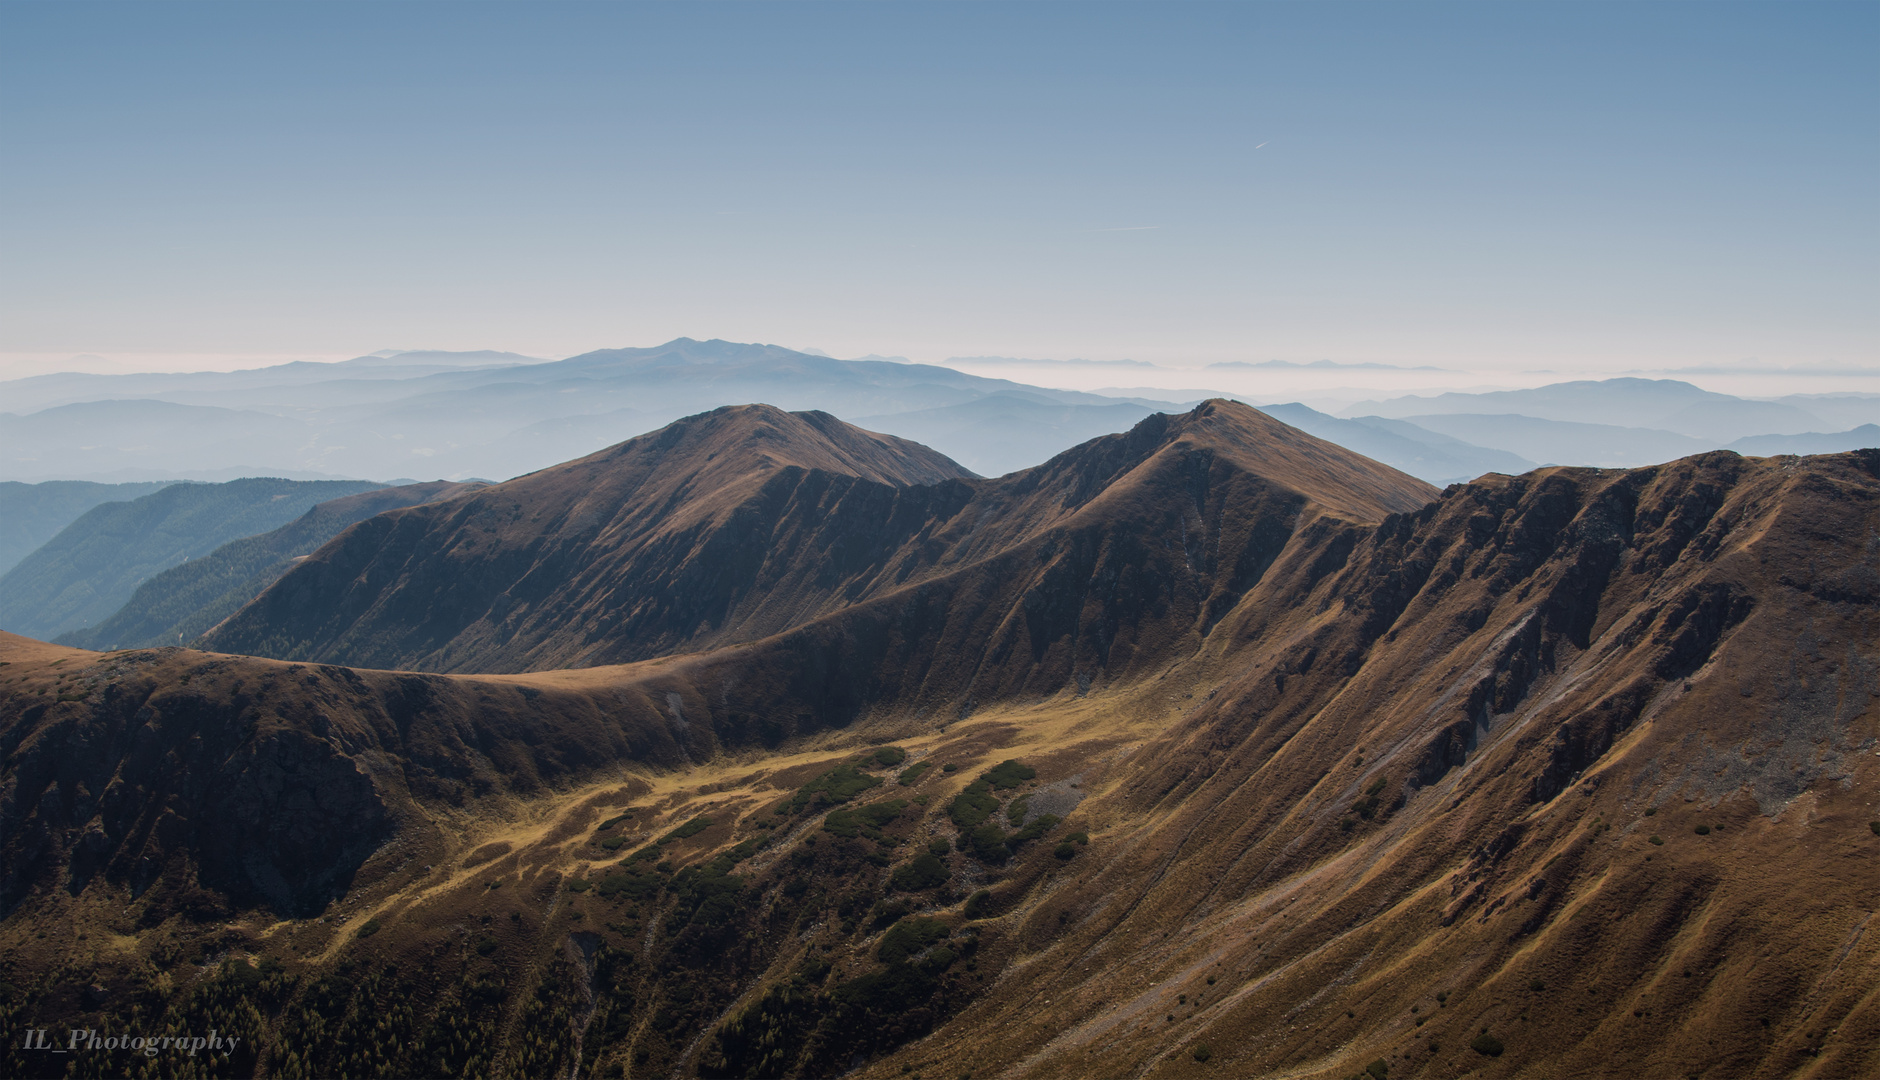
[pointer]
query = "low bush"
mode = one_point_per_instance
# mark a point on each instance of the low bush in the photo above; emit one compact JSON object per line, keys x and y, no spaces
{"x":973,"y":805}
{"x":1044,"y":824}
{"x":1065,"y":850}
{"x":579,"y":885}
{"x":910,"y":936}
{"x":939,"y":845}
{"x":1486,"y":1045}
{"x":888,"y":756}
{"x":838,"y":785}
{"x":912,"y":774}
{"x":1703,"y":830}
{"x":949,"y":767}
{"x":689,"y":829}
{"x":987,"y":844}
{"x":371,"y":927}
{"x":979,"y":905}
{"x":1875,"y":826}
{"x":864,"y":820}
{"x":1009,"y":774}
{"x":611,"y":822}
{"x":614,"y":843}
{"x":1656,"y":839}
{"x":1378,"y":1069}
{"x":1203,"y":1054}
{"x":924,"y":872}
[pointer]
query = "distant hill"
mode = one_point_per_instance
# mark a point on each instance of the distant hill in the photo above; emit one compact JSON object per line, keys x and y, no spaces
{"x":996,"y":434}
{"x":460,"y":415}
{"x":1563,"y":442}
{"x":1860,"y":438}
{"x":1425,"y":454}
{"x":92,"y":567}
{"x":183,"y":602}
{"x":1659,"y":404}
{"x":31,"y":514}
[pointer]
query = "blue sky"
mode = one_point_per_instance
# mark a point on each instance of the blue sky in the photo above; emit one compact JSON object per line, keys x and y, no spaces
{"x":1586,"y":187}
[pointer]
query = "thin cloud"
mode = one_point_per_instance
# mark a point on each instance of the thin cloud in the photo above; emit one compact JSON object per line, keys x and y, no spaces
{"x":1130,"y":228}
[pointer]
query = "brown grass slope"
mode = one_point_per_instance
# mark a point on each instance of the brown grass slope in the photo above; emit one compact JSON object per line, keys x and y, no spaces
{"x":1387,"y":785}
{"x":740,"y":523}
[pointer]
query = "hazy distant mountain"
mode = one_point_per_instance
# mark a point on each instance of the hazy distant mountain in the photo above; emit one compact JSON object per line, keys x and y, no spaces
{"x":91,"y":568}
{"x":1867,"y":435}
{"x":1841,"y":411}
{"x":1002,"y":433}
{"x":154,"y":438}
{"x":1424,"y":454}
{"x":1561,"y":442}
{"x":459,"y":415}
{"x":31,"y":514}
{"x":183,"y":602}
{"x":1660,"y":404}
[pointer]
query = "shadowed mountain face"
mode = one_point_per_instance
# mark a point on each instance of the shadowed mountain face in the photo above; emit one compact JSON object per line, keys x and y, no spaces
{"x":742,"y":522}
{"x":183,"y":602}
{"x":1206,"y":749}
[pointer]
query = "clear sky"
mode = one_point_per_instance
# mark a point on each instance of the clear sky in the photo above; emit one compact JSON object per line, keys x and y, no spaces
{"x":1489,"y":188}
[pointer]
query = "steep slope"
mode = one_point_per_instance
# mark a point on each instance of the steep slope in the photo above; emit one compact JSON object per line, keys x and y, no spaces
{"x":739,"y":523}
{"x":91,"y":568}
{"x":183,"y":602}
{"x":1562,"y":774}
{"x":31,"y":514}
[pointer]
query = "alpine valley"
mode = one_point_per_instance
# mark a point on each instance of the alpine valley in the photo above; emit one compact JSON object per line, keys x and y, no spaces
{"x":762,"y":745}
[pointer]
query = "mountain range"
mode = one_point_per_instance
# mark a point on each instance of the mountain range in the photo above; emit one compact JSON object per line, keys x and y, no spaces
{"x":765,"y":745}
{"x":497,"y":415}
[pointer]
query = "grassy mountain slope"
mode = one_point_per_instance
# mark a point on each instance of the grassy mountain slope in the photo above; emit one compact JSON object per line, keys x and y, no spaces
{"x":184,"y":602}
{"x":739,"y":523}
{"x":1567,"y":774}
{"x":91,"y":568}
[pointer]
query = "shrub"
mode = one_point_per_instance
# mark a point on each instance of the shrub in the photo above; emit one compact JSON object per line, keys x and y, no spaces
{"x":1044,"y":824}
{"x":485,"y":944}
{"x":912,"y":774}
{"x":1650,"y":810}
{"x":1378,"y":1069}
{"x":909,"y":936}
{"x":1875,"y":826}
{"x":1016,"y":810}
{"x":642,"y":855}
{"x":1536,"y":985}
{"x":1703,"y":830}
{"x":864,"y":820}
{"x":888,"y":756}
{"x":1486,"y":1045}
{"x":1657,"y":839}
{"x":838,"y":785}
{"x":579,"y":885}
{"x":1078,"y":838}
{"x":988,"y":844}
{"x":979,"y":905}
{"x":371,"y":927}
{"x":1009,"y":774}
{"x":973,"y":805}
{"x":949,"y":767}
{"x":1065,"y":850}
{"x":924,"y":872}
{"x":939,"y":845}
{"x":1202,"y":1053}
{"x":689,"y":829}
{"x":611,"y":822}
{"x":614,"y":843}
